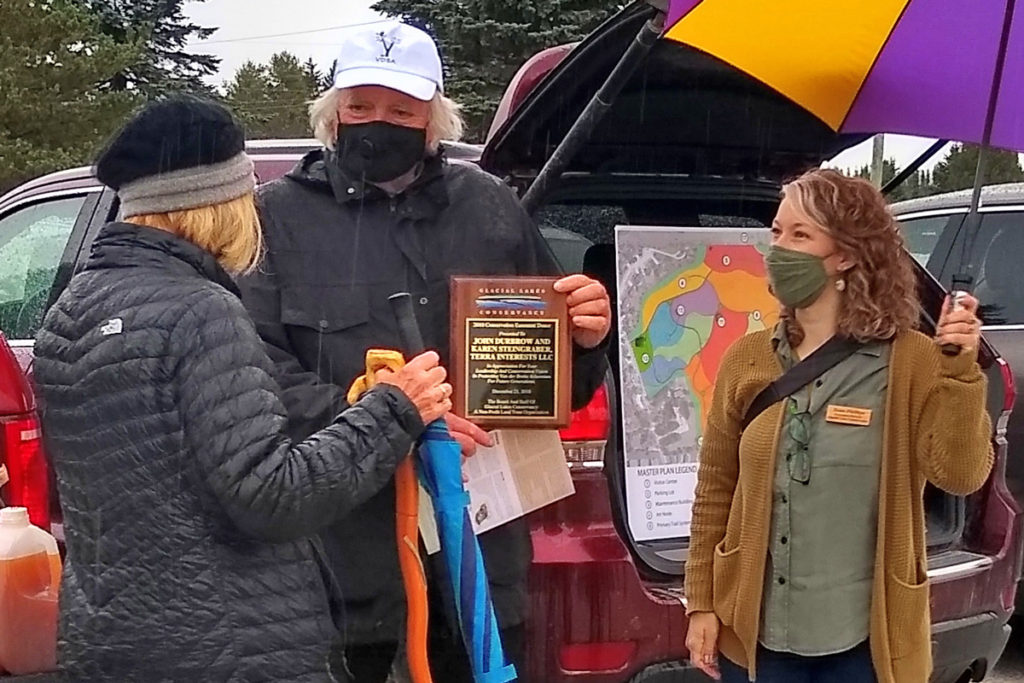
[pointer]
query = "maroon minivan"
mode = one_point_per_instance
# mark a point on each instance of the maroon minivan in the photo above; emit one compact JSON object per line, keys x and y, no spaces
{"x":689,"y":141}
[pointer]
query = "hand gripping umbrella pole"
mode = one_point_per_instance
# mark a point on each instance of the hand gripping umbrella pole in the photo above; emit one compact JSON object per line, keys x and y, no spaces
{"x":441,"y":471}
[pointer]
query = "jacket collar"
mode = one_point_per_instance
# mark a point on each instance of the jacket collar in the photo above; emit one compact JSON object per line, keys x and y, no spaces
{"x":427,"y":196}
{"x":126,"y":245}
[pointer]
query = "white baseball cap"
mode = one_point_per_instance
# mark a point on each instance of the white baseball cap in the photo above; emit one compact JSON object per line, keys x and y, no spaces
{"x":393,"y":55}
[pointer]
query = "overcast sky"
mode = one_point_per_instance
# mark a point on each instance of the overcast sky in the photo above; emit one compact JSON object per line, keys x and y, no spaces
{"x":251,"y":30}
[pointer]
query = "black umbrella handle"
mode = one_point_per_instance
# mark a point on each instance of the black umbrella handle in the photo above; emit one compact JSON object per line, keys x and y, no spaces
{"x":961,"y":287}
{"x":408,"y":327}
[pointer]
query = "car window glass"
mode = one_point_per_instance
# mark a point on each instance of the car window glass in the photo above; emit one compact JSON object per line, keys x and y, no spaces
{"x":711,"y":220}
{"x":922,"y":234}
{"x":996,"y":260}
{"x":595,"y":222}
{"x":32,"y":240}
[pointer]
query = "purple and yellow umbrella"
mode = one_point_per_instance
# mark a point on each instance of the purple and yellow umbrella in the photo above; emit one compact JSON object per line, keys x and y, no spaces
{"x":933,"y":68}
{"x":949,"y":69}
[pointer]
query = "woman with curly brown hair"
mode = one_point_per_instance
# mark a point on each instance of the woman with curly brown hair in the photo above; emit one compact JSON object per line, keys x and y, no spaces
{"x":807,"y":557}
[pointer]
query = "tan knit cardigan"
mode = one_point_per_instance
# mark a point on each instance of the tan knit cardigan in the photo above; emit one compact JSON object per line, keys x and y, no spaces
{"x":936,"y":429}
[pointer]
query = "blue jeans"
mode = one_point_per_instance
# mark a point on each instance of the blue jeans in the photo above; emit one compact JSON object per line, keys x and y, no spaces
{"x":852,"y":666}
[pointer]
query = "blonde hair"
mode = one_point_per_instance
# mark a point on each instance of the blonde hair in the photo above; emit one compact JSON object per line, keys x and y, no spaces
{"x":445,"y":120}
{"x":880,"y":299}
{"x":230,"y":231}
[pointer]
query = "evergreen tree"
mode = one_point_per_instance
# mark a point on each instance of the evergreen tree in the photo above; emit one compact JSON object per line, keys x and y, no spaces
{"x":165,"y":64}
{"x":249,"y":98}
{"x":326,"y":81}
{"x":315,"y":76}
{"x":919,"y":184}
{"x":484,"y":42}
{"x":53,"y":114}
{"x":958,"y":169}
{"x":272,"y":100}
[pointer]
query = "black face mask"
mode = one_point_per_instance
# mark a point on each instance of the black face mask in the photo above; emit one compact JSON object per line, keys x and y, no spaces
{"x":379,"y":151}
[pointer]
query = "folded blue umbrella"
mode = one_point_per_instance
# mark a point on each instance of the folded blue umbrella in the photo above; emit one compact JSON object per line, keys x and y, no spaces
{"x":441,"y":472}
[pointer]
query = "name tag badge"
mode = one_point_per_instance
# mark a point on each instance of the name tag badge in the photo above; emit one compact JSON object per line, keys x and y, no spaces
{"x":848,"y":415}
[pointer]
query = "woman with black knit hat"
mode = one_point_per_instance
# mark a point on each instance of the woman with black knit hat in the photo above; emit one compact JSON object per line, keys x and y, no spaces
{"x":187,"y":510}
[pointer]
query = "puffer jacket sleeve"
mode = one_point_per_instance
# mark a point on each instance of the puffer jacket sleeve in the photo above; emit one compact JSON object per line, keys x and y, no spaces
{"x":234,"y":423}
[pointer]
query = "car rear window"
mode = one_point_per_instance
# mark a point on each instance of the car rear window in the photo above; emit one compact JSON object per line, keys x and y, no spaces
{"x":922,"y":235}
{"x":999,"y":278}
{"x":32,"y":240}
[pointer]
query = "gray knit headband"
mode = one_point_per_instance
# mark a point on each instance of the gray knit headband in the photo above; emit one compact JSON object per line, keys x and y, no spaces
{"x":189,"y":188}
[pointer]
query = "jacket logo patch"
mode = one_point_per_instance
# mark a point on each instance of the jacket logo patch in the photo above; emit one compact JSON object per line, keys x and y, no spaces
{"x":114,"y":326}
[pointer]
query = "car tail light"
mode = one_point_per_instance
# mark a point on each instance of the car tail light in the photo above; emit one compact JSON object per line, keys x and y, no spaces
{"x":28,"y":473}
{"x":1009,"y":395}
{"x":585,"y":438}
{"x":612,"y":656}
{"x":1009,"y":597}
{"x":1009,"y":385}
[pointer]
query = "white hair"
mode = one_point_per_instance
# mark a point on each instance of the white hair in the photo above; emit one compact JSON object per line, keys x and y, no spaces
{"x":444,"y":122}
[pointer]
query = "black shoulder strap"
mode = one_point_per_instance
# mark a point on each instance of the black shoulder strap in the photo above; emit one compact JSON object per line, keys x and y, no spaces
{"x":825,"y":357}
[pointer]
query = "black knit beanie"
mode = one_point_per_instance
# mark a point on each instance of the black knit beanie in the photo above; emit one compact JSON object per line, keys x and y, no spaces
{"x":178,"y":153}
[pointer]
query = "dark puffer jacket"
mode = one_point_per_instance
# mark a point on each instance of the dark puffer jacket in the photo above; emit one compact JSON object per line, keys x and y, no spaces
{"x":186,"y":508}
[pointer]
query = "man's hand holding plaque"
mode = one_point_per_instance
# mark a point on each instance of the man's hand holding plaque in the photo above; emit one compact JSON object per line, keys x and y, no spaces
{"x":590,"y":310}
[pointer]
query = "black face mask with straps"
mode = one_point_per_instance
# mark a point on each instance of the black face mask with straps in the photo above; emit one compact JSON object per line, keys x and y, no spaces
{"x":378,"y":151}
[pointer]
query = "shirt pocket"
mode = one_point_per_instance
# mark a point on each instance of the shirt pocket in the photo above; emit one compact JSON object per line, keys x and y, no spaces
{"x":324,"y":308}
{"x":848,"y":445}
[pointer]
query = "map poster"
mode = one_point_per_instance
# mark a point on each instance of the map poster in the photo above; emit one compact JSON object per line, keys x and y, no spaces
{"x":685,"y":295}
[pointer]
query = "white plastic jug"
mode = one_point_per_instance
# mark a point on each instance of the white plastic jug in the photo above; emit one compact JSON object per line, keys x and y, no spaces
{"x":30,"y":570}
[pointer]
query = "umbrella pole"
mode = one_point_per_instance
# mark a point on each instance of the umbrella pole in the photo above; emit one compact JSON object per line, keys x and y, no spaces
{"x":963,"y":279}
{"x":591,"y":116}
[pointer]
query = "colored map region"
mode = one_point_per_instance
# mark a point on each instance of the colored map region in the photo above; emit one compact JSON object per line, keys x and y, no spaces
{"x":690,"y":319}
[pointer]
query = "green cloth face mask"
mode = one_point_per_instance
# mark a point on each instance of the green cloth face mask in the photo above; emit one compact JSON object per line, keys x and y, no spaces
{"x":797,"y":278}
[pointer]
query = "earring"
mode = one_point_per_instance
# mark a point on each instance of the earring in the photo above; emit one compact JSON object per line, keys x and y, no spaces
{"x":841,"y":285}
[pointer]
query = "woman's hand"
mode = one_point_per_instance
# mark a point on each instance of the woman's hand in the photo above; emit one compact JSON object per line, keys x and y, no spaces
{"x":959,"y":327}
{"x":702,"y":642}
{"x":422,"y":381}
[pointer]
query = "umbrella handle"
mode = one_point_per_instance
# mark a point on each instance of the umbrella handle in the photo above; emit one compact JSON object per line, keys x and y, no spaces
{"x":961,"y":288}
{"x":407,"y":523}
{"x":414,"y":579}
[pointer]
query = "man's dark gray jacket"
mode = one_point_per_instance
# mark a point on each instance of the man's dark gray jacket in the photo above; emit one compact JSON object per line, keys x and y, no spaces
{"x":336,"y":250}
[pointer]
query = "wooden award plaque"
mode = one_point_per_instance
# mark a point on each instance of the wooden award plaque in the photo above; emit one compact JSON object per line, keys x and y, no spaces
{"x":511,"y":352}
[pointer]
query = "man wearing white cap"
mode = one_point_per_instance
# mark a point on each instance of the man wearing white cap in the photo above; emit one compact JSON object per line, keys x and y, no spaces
{"x":379,"y":210}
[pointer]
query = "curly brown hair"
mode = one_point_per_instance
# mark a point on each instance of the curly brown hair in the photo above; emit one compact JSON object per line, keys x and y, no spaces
{"x":880,"y":299}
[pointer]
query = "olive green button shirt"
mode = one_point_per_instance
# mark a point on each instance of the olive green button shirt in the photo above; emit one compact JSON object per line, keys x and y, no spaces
{"x":821,"y":552}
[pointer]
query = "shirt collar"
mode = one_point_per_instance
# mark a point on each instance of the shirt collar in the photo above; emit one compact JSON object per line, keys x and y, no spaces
{"x":780,"y":344}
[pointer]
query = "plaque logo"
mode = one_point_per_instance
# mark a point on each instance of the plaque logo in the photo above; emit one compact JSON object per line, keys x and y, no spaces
{"x":501,"y":302}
